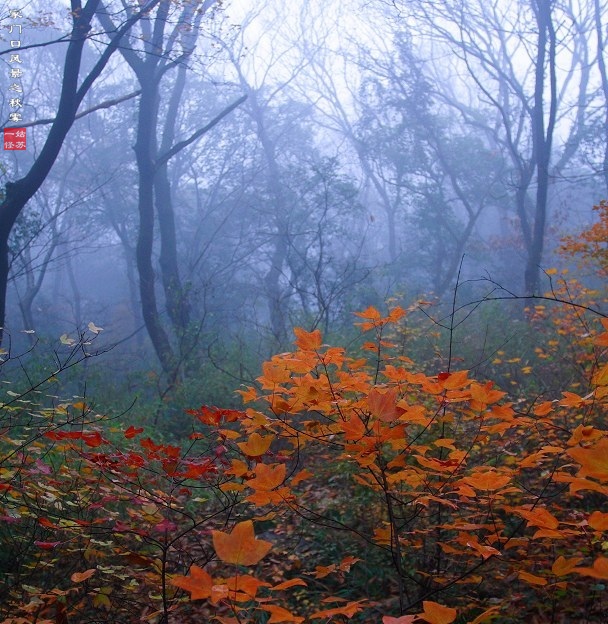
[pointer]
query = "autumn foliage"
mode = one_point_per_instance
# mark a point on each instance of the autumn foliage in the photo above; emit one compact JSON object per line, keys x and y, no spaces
{"x":352,"y":486}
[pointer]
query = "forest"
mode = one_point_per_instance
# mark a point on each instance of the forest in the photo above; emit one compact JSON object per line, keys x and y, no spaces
{"x":304,"y":311}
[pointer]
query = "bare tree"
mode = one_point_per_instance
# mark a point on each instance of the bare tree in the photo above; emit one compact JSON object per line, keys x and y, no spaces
{"x":510,"y":54}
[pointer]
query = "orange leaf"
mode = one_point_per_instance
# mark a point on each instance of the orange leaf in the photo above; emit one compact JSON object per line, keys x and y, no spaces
{"x":78,"y":577}
{"x":396,"y":313}
{"x":244,"y":585}
{"x":256,"y":445}
{"x":273,"y":374}
{"x":539,"y":517}
{"x":434,"y":613}
{"x":382,"y":405}
{"x":543,"y":409}
{"x":404,"y":619}
{"x":347,"y":610}
{"x":562,"y":566}
{"x":307,"y":341}
{"x":485,"y":394}
{"x":347,"y":562}
{"x":572,"y":400}
{"x":598,"y":521}
{"x":238,"y":468}
{"x":593,"y":460}
{"x":584,"y":433}
{"x":248,"y":395}
{"x":369,"y":313}
{"x":240,"y":546}
{"x":490,"y":613}
{"x":472,"y":542}
{"x":456,"y":380}
{"x":323,"y":571}
{"x":489,"y":480}
{"x":353,"y":428}
{"x":598,"y":571}
{"x":279,"y":614}
{"x":532,"y":578}
{"x":267,"y":477}
{"x":198,"y":582}
{"x":288,"y":584}
{"x":601,"y":377}
{"x":301,"y":476}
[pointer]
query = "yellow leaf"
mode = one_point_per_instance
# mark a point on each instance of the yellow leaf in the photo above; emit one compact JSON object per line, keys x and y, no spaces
{"x":240,"y":547}
{"x":66,"y":340}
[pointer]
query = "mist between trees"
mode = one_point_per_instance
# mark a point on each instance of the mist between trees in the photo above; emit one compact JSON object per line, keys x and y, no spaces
{"x":303,"y":312}
{"x":201,"y":176}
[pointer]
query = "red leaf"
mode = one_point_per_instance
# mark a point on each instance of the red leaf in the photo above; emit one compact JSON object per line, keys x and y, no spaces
{"x":132,"y":431}
{"x":46,"y":545}
{"x":45,"y":522}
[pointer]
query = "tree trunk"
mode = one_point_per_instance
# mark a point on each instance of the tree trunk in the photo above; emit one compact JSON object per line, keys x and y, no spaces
{"x":145,"y":148}
{"x":542,"y":139}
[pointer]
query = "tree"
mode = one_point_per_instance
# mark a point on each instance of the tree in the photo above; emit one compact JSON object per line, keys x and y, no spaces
{"x":510,"y":53}
{"x":19,"y":192}
{"x":433,"y":177}
{"x":161,"y":52}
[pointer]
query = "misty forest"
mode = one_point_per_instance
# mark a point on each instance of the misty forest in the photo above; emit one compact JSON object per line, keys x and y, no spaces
{"x":303,"y":311}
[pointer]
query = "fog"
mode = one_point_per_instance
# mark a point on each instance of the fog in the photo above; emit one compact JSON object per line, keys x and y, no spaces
{"x":238,"y":169}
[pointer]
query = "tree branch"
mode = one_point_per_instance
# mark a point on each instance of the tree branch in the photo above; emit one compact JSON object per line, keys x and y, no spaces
{"x":106,"y":104}
{"x":178,"y":147}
